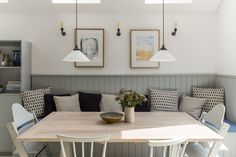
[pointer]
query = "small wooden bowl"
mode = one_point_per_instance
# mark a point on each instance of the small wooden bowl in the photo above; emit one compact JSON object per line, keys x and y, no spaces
{"x":111,"y":117}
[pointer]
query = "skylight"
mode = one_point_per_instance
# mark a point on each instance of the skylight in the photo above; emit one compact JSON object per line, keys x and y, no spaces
{"x":3,"y":1}
{"x":168,"y":1}
{"x":79,"y":1}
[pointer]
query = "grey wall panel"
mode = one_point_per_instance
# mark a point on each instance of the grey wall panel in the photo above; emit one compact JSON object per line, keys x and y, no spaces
{"x":229,"y":83}
{"x":112,"y":84}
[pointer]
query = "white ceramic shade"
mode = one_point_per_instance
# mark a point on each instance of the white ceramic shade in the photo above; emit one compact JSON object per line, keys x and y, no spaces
{"x":76,"y":56}
{"x":163,"y":56}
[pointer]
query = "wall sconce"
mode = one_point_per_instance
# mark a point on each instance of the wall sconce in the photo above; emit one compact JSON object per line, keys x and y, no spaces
{"x":175,"y":29}
{"x":118,"y":29}
{"x":63,"y":33}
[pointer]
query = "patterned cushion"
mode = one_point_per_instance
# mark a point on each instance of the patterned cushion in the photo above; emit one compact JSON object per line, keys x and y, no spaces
{"x":213,"y":96}
{"x":33,"y":100}
{"x":164,"y":100}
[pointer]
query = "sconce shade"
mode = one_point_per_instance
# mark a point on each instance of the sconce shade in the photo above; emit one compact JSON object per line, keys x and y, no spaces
{"x":163,"y":55}
{"x":76,"y":56}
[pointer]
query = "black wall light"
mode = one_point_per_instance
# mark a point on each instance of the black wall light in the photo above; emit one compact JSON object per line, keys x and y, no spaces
{"x":175,"y":29}
{"x":118,"y":29}
{"x":63,"y":33}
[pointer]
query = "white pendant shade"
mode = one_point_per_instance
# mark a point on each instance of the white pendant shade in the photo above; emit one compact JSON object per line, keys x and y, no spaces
{"x":76,"y":56}
{"x":163,"y":56}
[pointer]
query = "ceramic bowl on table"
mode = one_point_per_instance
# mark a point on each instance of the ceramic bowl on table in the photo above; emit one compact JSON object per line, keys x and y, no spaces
{"x":111,"y":117}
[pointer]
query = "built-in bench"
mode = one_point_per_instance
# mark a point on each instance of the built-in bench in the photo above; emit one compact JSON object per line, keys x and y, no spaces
{"x":232,"y":126}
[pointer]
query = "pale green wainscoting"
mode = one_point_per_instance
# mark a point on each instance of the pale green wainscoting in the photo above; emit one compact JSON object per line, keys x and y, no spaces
{"x":140,"y":83}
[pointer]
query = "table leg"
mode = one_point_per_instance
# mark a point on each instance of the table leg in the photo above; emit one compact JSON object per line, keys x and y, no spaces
{"x":68,"y":150}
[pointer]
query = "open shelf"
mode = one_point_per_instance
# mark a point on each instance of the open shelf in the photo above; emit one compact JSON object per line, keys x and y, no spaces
{"x":12,"y":67}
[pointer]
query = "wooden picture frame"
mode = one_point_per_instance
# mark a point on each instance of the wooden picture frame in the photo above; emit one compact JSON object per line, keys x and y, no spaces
{"x":91,"y":41}
{"x":144,"y":43}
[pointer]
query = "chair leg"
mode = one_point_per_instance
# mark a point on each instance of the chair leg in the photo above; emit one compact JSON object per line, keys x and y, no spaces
{"x":164,"y":152}
{"x":151,"y":152}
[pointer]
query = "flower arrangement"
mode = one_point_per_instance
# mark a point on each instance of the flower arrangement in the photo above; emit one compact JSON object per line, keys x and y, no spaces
{"x":129,"y":98}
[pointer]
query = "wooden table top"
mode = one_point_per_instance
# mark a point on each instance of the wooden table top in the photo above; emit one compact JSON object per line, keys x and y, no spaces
{"x":149,"y":125}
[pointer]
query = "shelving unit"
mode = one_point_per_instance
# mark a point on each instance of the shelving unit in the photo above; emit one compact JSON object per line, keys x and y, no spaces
{"x":17,"y":73}
{"x":12,"y":73}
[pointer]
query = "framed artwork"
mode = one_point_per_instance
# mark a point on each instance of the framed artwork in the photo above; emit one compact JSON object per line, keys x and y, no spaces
{"x":91,"y":42}
{"x":144,"y":43}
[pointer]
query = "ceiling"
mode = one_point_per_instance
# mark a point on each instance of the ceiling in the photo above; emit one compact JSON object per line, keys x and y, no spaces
{"x":108,"y":6}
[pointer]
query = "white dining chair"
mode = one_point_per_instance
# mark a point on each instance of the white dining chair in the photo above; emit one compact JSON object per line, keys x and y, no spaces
{"x":83,"y":140}
{"x":173,"y":147}
{"x":23,"y":120}
{"x":214,"y":119}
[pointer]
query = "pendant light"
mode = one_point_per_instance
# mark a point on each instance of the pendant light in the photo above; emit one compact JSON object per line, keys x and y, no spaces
{"x":163,"y":55}
{"x":76,"y":55}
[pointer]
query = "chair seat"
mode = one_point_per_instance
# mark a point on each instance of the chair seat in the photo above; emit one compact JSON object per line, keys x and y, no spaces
{"x":196,"y":150}
{"x":209,"y":145}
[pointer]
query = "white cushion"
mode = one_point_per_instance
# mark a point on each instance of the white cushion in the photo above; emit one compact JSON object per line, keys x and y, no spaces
{"x":67,"y":103}
{"x":109,"y":104}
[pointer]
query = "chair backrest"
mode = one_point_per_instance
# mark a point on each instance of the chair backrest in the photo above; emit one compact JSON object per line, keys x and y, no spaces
{"x":22,"y":117}
{"x":82,"y":140}
{"x":214,"y":119}
{"x":176,"y":146}
{"x":22,"y":120}
{"x":215,"y":116}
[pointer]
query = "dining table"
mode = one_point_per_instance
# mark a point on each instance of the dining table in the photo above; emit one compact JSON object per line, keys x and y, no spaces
{"x":147,"y":126}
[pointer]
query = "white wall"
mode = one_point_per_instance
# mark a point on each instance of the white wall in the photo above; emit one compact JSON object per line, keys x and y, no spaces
{"x":194,"y":45}
{"x":226,"y":57}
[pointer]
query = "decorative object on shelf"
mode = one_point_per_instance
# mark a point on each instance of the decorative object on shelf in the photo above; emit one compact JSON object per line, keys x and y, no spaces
{"x":111,"y":117}
{"x":1,"y":57}
{"x":143,"y":45}
{"x":76,"y":55}
{"x":129,"y":99}
{"x":91,"y":42}
{"x":16,"y":57}
{"x":175,"y":29}
{"x":118,"y":29}
{"x":63,"y":33}
{"x":13,"y":86}
{"x":163,"y":55}
{"x":5,"y":60}
{"x":1,"y":88}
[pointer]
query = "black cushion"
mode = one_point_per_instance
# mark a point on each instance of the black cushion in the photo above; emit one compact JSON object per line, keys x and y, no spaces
{"x":50,"y":105}
{"x":145,"y":107}
{"x":89,"y":102}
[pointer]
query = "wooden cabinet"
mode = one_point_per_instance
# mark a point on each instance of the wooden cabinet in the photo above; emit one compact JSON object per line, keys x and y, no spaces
{"x":20,"y":73}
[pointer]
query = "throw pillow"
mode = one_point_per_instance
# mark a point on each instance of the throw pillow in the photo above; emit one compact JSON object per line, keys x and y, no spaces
{"x":33,"y":100}
{"x":49,"y":102}
{"x":213,"y":96}
{"x":89,"y":102}
{"x":164,"y":100}
{"x":145,"y":107}
{"x":192,"y":106}
{"x":67,"y":103}
{"x":109,"y":104}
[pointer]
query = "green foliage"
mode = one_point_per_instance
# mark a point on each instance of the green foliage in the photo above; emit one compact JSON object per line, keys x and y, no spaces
{"x":129,"y":98}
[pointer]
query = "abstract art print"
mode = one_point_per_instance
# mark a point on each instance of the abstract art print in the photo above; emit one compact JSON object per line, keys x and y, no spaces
{"x":143,"y":45}
{"x":91,"y":43}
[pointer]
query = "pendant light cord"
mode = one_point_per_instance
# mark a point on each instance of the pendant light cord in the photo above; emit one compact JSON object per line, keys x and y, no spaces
{"x":76,"y":24}
{"x":163,"y":14}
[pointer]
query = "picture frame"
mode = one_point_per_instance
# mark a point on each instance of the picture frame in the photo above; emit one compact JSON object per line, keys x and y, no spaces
{"x":144,"y":43}
{"x":91,"y":43}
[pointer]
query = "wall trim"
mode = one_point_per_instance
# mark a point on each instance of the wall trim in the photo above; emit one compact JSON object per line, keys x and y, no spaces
{"x":180,"y":74}
{"x":226,"y":76}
